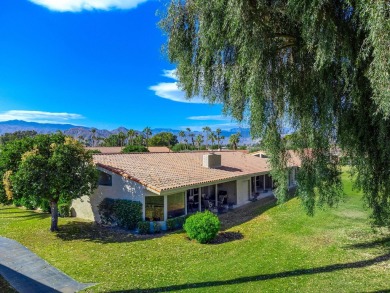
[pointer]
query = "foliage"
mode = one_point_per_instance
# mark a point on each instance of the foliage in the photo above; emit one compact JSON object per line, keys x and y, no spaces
{"x":143,"y":227}
{"x":93,"y":152}
{"x":156,"y":227}
{"x":121,"y":212}
{"x":179,"y":147}
{"x":8,"y":137}
{"x":163,"y":139}
{"x":64,"y":209}
{"x":175,"y":223}
{"x":128,"y":213}
{"x":319,"y":68}
{"x":135,"y":149}
{"x":234,"y":140}
{"x":112,"y":141}
{"x":202,"y":227}
{"x":334,"y":251}
{"x":106,"y":211}
{"x":58,"y":166}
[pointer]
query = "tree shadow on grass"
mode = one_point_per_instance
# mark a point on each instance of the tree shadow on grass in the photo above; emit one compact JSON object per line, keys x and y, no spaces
{"x":224,"y":237}
{"x":264,"y":277}
{"x":89,"y":231}
{"x":378,"y":243}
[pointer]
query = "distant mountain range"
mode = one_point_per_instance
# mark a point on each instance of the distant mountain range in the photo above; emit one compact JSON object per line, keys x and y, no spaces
{"x":85,"y":132}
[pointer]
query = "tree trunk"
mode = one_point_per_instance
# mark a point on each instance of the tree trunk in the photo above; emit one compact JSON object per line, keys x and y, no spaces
{"x":54,"y":216}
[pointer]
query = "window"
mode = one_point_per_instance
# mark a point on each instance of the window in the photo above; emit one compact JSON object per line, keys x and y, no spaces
{"x":176,"y":206}
{"x":154,"y":208}
{"x":105,"y":179}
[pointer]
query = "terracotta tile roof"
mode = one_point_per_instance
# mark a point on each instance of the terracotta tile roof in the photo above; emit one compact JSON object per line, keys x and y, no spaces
{"x":161,"y":172}
{"x":159,"y":149}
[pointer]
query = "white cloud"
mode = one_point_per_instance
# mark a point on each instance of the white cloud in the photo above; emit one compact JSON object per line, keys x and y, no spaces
{"x":39,"y":116}
{"x":170,"y":73}
{"x":210,"y":118}
{"x":79,"y":5}
{"x":171,"y":91}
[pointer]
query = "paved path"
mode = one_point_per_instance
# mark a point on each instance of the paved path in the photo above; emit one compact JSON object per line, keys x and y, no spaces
{"x":28,"y":273}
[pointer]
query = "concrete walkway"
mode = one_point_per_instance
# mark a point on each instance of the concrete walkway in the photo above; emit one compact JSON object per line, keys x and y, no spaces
{"x":28,"y":273}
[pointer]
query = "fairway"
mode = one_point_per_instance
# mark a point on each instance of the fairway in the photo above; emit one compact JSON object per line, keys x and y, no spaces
{"x":276,"y":249}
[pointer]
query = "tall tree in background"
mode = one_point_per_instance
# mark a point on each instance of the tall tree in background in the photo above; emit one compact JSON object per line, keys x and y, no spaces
{"x":50,"y":167}
{"x":131,"y":134}
{"x":121,"y":137}
{"x":207,"y":131}
{"x":199,"y":140}
{"x":147,"y":132}
{"x":182,"y":135}
{"x":219,"y":137}
{"x":322,"y":66}
{"x":234,"y":140}
{"x":93,"y":137}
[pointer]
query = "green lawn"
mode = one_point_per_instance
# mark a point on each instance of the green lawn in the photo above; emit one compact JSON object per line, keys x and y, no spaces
{"x":276,"y":249}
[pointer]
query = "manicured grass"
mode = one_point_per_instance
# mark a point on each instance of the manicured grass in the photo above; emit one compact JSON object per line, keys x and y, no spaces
{"x":275,"y":249}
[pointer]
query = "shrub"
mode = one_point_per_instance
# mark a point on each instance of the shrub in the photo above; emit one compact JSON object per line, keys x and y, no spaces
{"x":143,"y":227}
{"x":171,"y":224}
{"x":180,"y":221}
{"x":202,"y":227}
{"x":106,"y":211}
{"x":128,"y":213}
{"x":135,"y":149}
{"x":156,"y":227}
{"x":64,"y":209}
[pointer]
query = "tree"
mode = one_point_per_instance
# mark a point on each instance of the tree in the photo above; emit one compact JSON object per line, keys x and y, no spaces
{"x":234,"y":140}
{"x":219,"y":137}
{"x":121,"y":137}
{"x":131,"y":134}
{"x":51,"y":167}
{"x":199,"y":140}
{"x":163,"y":139}
{"x":207,"y":130}
{"x":182,"y":135}
{"x":212,"y":137}
{"x":7,"y":137}
{"x":93,"y":137}
{"x":320,"y":68}
{"x":147,"y":132}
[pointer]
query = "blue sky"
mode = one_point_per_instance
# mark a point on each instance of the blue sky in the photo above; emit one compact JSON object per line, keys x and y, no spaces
{"x":93,"y":63}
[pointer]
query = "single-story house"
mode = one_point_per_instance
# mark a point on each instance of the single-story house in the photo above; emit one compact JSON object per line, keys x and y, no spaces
{"x":174,"y":184}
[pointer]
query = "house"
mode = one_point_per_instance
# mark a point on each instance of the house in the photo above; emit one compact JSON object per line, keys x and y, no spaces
{"x":174,"y":184}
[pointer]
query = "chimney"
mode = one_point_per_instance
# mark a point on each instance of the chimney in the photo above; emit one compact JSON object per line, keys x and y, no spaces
{"x":211,"y":161}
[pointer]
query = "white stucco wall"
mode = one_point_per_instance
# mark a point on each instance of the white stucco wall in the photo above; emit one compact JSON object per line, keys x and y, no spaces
{"x":86,"y":206}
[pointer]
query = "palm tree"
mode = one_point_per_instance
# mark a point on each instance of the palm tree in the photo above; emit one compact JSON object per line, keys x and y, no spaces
{"x":182,"y":135}
{"x":234,"y":140}
{"x":212,"y":137}
{"x":131,"y":134}
{"x":121,"y":137}
{"x":81,"y":139}
{"x":147,"y":132}
{"x":93,"y":130}
{"x":218,"y":132}
{"x":199,"y":140}
{"x":207,"y":130}
{"x":191,"y":135}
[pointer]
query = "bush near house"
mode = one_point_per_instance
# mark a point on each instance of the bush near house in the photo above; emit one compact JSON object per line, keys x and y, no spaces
{"x":121,"y":212}
{"x":135,"y":149}
{"x":143,"y":227}
{"x":175,"y":223}
{"x":202,"y":227}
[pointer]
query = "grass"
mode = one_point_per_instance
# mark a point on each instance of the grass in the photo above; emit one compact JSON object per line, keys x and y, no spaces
{"x":262,"y":249}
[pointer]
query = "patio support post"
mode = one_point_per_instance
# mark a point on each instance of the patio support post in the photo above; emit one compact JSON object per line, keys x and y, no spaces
{"x":165,"y":207}
{"x":263,"y":182}
{"x":199,"y":200}
{"x":185,"y":202}
{"x":216,"y":195}
{"x":250,"y":189}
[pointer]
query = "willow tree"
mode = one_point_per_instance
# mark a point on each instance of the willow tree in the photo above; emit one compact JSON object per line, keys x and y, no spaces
{"x":321,"y":67}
